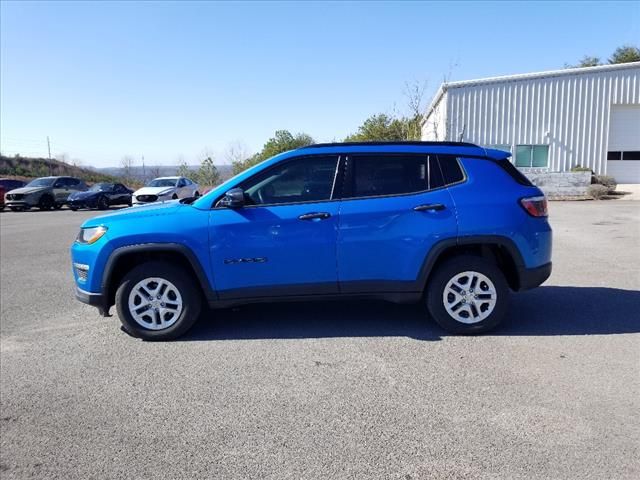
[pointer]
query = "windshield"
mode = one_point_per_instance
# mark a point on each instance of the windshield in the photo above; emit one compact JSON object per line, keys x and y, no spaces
{"x":101,"y":187}
{"x":162,"y":182}
{"x":41,"y":182}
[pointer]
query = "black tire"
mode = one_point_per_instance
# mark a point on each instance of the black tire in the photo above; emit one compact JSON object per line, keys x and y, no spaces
{"x":175,"y":197}
{"x":196,"y":195}
{"x":46,"y":202}
{"x":103,"y":203}
{"x":188,"y":289}
{"x":447,"y":271}
{"x":75,"y":209}
{"x":17,"y":209}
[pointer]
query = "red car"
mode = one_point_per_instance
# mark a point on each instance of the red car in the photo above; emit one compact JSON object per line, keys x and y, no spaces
{"x":6,"y":185}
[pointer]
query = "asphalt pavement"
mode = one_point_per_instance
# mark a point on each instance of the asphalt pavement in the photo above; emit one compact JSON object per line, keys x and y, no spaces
{"x":327,"y":390}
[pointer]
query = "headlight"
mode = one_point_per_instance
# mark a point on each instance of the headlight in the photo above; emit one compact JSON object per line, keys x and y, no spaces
{"x":90,"y":235}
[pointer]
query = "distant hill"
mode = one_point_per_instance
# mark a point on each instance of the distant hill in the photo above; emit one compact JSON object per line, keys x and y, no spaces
{"x":27,"y":167}
{"x":149,"y":172}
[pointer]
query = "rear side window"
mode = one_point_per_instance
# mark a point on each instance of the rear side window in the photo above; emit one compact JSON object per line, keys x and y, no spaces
{"x":513,"y":172}
{"x":379,"y":175}
{"x":451,"y":170}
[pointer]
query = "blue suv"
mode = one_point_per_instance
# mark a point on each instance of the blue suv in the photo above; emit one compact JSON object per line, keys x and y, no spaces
{"x":453,"y":225}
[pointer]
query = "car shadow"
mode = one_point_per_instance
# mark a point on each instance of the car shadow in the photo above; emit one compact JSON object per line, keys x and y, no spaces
{"x":552,"y":310}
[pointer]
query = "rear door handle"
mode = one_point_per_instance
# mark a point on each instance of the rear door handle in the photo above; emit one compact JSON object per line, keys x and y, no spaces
{"x":315,"y":216}
{"x":430,"y":207}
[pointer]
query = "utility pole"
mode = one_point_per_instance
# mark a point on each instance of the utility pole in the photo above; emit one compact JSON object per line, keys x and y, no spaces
{"x":49,"y":149}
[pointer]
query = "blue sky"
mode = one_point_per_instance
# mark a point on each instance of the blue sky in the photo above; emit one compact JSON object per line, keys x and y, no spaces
{"x":166,"y":80}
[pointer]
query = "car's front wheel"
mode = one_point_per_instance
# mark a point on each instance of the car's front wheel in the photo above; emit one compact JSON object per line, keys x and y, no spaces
{"x":46,"y":202}
{"x":158,"y":301}
{"x":468,"y":295}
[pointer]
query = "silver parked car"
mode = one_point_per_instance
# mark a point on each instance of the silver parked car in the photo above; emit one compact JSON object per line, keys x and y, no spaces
{"x":166,"y":188}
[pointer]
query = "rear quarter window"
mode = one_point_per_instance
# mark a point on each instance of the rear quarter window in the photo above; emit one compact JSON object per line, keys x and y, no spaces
{"x":451,"y":170}
{"x":513,"y":172}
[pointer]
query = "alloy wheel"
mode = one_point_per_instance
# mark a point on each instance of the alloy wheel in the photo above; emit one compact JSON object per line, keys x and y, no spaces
{"x":469,"y":297}
{"x":155,"y":303}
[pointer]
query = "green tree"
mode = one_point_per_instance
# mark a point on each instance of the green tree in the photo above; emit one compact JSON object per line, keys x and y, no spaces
{"x":183,"y":169}
{"x":625,"y":54}
{"x":385,"y":128}
{"x":282,"y":141}
{"x":588,"y":61}
{"x":208,"y":174}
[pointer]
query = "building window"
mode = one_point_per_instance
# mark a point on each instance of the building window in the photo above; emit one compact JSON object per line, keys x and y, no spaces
{"x":628,"y":155}
{"x":532,"y":156}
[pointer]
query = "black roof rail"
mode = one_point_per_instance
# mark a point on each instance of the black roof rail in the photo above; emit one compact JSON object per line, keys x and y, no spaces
{"x":400,"y":142}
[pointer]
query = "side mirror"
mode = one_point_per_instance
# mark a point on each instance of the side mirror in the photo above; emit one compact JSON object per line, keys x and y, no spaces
{"x":234,"y":198}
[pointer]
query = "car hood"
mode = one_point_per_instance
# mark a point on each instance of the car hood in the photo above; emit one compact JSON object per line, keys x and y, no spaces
{"x":168,"y":207}
{"x":152,"y":190}
{"x":28,"y":190}
{"x":82,"y":195}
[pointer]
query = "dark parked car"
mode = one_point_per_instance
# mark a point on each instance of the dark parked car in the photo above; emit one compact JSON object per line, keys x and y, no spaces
{"x":7,"y":184}
{"x":45,"y":193}
{"x":101,"y":196}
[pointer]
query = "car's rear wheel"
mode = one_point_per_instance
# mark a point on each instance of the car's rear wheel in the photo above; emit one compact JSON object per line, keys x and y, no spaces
{"x":46,"y":202}
{"x":158,"y":301}
{"x":468,"y":295}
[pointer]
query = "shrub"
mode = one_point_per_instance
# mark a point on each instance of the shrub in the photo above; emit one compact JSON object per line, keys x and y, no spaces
{"x":580,"y":168}
{"x":606,"y":181}
{"x":597,"y":192}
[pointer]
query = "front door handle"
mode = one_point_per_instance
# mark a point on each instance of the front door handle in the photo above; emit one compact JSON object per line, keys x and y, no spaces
{"x":430,"y":207}
{"x":315,"y":216}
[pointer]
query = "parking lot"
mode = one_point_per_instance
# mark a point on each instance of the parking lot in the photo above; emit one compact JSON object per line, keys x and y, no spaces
{"x":336,"y":390}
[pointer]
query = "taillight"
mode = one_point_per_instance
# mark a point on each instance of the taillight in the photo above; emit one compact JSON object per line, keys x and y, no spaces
{"x":535,"y":206}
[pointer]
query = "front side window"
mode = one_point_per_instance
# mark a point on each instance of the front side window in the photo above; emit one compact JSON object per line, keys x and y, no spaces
{"x":532,"y":156}
{"x":42,"y":182}
{"x":304,"y":179}
{"x":101,"y":187}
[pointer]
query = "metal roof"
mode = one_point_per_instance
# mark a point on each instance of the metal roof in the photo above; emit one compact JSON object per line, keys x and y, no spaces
{"x":527,"y":76}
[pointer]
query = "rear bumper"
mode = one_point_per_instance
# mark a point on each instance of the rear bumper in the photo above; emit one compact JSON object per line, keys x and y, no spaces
{"x":533,"y":277}
{"x":94,"y":299}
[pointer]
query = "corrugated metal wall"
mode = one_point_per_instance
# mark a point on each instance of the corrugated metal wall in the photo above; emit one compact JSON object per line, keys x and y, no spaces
{"x":570,"y":113}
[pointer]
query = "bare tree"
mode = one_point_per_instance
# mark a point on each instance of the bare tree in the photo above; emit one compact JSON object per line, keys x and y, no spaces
{"x":414,"y":93}
{"x":155,"y":171}
{"x":236,"y":152}
{"x":127,"y":166}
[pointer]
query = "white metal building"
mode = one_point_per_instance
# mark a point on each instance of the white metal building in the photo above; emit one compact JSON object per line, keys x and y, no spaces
{"x":550,"y":121}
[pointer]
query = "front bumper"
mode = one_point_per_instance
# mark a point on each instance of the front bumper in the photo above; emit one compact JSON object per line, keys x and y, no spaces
{"x":18,"y":203}
{"x":533,"y":277}
{"x":97,"y":300}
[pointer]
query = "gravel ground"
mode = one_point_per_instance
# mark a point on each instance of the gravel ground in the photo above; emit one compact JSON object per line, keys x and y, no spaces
{"x":327,"y":390}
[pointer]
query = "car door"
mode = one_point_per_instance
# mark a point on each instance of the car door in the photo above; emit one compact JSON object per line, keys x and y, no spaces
{"x":180,"y":187}
{"x":61,"y":189}
{"x":284,"y":241}
{"x":118,"y":194}
{"x":395,"y":208}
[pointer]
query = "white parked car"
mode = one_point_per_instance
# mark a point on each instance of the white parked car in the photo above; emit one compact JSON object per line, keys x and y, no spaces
{"x":166,"y":188}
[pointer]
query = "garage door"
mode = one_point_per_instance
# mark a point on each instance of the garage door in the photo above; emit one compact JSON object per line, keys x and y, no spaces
{"x":623,"y":156}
